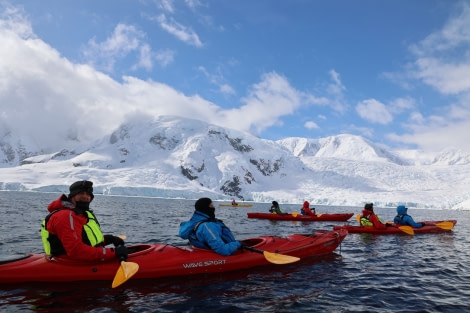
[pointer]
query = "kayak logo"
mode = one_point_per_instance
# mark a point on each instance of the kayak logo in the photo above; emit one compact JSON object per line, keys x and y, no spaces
{"x":203,"y":264}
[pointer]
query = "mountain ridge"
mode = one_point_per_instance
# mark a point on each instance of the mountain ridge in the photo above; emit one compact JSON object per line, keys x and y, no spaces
{"x":180,"y":157}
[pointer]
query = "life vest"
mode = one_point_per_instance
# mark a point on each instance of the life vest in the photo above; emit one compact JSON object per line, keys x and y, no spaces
{"x":91,"y":235}
{"x":366,"y":222}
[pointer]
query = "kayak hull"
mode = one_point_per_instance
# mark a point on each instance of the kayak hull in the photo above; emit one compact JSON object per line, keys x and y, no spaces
{"x":160,"y":260}
{"x":393,"y":229}
{"x":338,"y":217}
{"x":241,"y":205}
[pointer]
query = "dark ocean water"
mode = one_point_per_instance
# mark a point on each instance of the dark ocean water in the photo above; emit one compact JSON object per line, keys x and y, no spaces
{"x":368,"y":273}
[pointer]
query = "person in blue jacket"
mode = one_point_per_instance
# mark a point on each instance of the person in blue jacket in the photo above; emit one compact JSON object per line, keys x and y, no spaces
{"x":205,"y":231}
{"x":403,"y":218}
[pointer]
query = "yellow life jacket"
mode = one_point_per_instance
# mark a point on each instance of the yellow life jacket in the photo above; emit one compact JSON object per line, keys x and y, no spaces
{"x":53,"y":245}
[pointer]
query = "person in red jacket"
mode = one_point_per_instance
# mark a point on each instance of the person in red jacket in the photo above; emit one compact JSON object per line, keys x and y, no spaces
{"x":369,"y":218}
{"x":305,"y":210}
{"x":71,"y":229}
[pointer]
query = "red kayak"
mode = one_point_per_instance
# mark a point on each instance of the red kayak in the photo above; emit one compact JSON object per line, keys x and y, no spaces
{"x":160,"y":260}
{"x":430,"y":227}
{"x":338,"y":217}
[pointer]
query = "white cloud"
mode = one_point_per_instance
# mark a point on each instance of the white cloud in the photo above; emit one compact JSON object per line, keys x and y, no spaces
{"x":181,"y":32}
{"x":165,"y":57}
{"x":443,"y":63}
{"x":124,"y":40}
{"x":311,"y":125}
{"x":374,"y":111}
{"x":78,"y":101}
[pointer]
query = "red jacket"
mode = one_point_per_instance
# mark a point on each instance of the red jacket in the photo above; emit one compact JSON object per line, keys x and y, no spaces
{"x":373,"y":218}
{"x":68,"y":227}
{"x":306,"y":210}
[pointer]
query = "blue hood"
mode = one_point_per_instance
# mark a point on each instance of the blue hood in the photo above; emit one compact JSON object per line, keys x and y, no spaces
{"x":401,"y":210}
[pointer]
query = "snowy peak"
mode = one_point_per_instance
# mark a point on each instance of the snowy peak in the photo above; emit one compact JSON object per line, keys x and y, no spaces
{"x":347,"y":147}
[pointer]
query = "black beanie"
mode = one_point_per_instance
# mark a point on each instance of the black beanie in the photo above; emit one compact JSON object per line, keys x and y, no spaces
{"x":80,"y":186}
{"x":369,"y":207}
{"x":202,"y":205}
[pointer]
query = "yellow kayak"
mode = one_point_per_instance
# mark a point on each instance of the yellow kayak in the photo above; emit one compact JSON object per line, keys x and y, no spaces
{"x":237,"y":205}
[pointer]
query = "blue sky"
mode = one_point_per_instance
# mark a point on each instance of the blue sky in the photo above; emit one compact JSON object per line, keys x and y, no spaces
{"x":395,"y":72}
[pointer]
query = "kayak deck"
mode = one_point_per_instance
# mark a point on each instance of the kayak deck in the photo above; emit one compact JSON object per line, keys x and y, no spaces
{"x":430,"y":227}
{"x":161,"y":260}
{"x":338,"y":217}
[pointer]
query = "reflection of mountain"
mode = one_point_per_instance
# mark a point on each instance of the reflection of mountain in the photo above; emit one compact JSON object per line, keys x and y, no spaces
{"x":178,"y":157}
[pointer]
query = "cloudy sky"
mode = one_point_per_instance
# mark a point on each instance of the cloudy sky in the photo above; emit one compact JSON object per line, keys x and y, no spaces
{"x":396,"y":72}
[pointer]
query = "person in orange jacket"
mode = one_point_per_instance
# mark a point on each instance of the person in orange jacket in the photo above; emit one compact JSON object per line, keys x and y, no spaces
{"x":71,"y":229}
{"x":305,"y":210}
{"x":369,"y":218}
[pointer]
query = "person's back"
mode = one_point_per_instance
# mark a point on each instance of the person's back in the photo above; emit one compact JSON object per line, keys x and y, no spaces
{"x":203,"y":230}
{"x":403,"y":218}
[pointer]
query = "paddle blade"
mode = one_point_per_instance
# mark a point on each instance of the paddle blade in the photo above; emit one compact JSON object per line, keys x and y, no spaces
{"x":318,"y":215}
{"x":279,"y":258}
{"x":358,"y":218}
{"x":407,"y":229}
{"x":445,"y":225}
{"x":294,"y":214}
{"x":123,"y":237}
{"x":125,"y":271}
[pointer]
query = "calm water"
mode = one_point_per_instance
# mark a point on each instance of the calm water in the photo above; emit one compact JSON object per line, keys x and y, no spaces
{"x":395,"y":273}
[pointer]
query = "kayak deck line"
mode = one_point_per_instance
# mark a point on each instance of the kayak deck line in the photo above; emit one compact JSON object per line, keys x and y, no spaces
{"x":164,"y":260}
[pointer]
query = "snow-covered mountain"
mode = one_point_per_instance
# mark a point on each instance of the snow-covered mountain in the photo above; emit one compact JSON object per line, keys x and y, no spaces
{"x":185,"y":158}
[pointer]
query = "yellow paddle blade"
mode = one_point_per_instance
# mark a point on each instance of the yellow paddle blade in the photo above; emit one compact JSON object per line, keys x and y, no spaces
{"x":125,"y":271}
{"x":358,"y":218}
{"x":318,"y":215}
{"x":279,"y":258}
{"x":123,"y":237}
{"x":294,"y":214}
{"x":407,"y":229}
{"x":445,"y":225}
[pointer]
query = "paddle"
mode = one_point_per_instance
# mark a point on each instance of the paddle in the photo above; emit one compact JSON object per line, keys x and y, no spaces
{"x":443,"y":225}
{"x":125,"y":271}
{"x":295,"y":213}
{"x":274,"y":258}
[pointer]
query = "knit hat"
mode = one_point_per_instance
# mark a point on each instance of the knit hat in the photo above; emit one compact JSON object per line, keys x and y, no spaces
{"x":369,"y":207}
{"x":80,"y":186}
{"x":202,"y":205}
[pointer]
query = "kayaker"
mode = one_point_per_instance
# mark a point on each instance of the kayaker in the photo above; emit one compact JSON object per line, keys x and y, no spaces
{"x":205,"y":231}
{"x":234,"y":202}
{"x":369,"y":218}
{"x":276,"y":209}
{"x":305,"y":210}
{"x":403,"y":218}
{"x":72,"y":229}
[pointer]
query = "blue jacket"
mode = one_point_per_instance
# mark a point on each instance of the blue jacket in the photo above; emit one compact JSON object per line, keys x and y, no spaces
{"x":207,"y":233}
{"x":403,"y":218}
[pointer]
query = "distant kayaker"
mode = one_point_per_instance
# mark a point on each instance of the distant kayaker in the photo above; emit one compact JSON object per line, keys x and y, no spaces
{"x":276,"y":209}
{"x":305,"y":210}
{"x":403,"y":218}
{"x":72,"y":229}
{"x":205,"y":231}
{"x":234,"y":202}
{"x":369,"y":218}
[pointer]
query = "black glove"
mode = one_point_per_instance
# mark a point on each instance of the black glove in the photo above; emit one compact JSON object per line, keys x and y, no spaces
{"x":121,"y":252}
{"x":116,"y":241}
{"x":243,"y":245}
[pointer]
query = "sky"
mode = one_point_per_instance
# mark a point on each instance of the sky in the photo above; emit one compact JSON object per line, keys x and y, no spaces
{"x":396,"y":72}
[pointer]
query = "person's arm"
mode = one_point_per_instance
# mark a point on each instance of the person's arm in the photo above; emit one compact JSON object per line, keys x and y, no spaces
{"x":212,"y":235}
{"x":409,"y":221}
{"x":375,"y":220}
{"x":68,"y":227}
